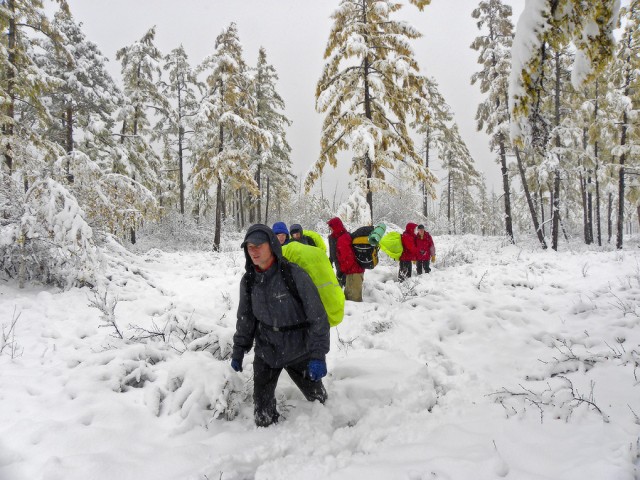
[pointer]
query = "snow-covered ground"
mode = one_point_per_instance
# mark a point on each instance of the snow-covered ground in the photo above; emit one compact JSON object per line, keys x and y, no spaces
{"x":504,"y":362}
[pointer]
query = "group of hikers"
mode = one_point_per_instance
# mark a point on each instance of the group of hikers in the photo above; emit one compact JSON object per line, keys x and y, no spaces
{"x":290,"y":296}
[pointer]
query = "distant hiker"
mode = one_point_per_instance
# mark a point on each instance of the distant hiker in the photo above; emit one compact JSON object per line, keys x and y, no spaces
{"x":426,"y":250}
{"x":409,"y":251}
{"x":280,"y":229}
{"x":295,"y":229}
{"x":346,"y":260}
{"x":279,"y":309}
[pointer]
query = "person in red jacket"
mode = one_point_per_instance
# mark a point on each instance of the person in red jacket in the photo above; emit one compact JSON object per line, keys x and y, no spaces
{"x":347,"y":262}
{"x":426,"y":250}
{"x":409,"y":251}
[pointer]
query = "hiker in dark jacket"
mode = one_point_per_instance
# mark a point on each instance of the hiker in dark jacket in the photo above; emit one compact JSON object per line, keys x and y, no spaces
{"x":409,"y":251}
{"x":426,"y":250}
{"x":287,"y":322}
{"x":297,"y":235}
{"x":349,"y":265}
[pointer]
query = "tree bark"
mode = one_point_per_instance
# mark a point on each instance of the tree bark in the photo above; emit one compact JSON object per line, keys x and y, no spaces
{"x":556,"y":182}
{"x":527,"y":194}
{"x":7,"y":128}
{"x":507,"y":191}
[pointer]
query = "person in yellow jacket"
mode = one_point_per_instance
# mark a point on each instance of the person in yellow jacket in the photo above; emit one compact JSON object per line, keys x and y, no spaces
{"x":316,"y":263}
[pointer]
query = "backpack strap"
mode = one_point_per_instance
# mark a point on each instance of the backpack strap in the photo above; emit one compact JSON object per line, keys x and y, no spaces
{"x":287,"y":275}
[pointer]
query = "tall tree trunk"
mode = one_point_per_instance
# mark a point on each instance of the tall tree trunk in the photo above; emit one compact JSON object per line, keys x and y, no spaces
{"x":507,"y":191}
{"x":583,"y":197}
{"x":609,"y":217}
{"x":596,"y":158}
{"x":181,"y":166}
{"x":266,"y":208}
{"x":425,"y":194}
{"x":623,"y":141}
{"x":556,"y":181}
{"x":219,"y":198}
{"x":527,"y":194}
{"x":69,"y":139}
{"x":367,"y":112}
{"x":542,"y":216}
{"x":7,"y":128}
{"x":449,"y":201}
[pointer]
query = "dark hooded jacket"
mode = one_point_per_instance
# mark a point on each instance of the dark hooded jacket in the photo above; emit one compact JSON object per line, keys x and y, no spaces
{"x":304,"y":327}
{"x":409,"y":248}
{"x":344,"y":248}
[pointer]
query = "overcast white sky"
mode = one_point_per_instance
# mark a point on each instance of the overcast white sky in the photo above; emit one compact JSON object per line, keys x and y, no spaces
{"x":294,"y":34}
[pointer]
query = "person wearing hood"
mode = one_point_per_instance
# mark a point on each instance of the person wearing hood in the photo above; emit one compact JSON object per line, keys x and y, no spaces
{"x":281,"y":311}
{"x":346,"y":260}
{"x":282,"y":233}
{"x":426,"y":250}
{"x":409,"y":251}
{"x":297,"y":235}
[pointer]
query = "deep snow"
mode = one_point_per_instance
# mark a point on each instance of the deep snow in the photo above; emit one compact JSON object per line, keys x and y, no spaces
{"x":504,"y":362}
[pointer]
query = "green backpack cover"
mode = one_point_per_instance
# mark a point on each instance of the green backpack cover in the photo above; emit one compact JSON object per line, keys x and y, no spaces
{"x":316,"y":263}
{"x":391,"y":244}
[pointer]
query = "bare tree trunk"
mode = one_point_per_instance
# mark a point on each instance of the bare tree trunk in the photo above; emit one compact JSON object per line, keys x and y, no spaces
{"x":181,"y":167}
{"x":7,"y":128}
{"x":218,"y":224}
{"x":449,"y":201}
{"x":609,"y":218}
{"x":597,"y":160}
{"x":583,"y":196}
{"x":542,"y":216}
{"x":556,"y":182}
{"x":266,"y":210}
{"x":527,"y":194}
{"x":367,"y":112}
{"x":507,"y":191}
{"x":425,"y":194}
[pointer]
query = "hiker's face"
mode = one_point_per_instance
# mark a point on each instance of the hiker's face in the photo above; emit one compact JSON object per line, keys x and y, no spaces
{"x":260,"y":254}
{"x":296,"y":235}
{"x":282,"y":237}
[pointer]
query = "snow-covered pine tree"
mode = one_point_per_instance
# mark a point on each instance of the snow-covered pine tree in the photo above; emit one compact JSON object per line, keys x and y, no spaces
{"x":587,"y":25}
{"x":369,"y":89}
{"x":274,"y":163}
{"x":22,"y":85}
{"x":625,"y":96}
{"x":494,"y":47}
{"x":141,"y":71}
{"x":227,"y":125}
{"x":432,"y":128}
{"x":86,"y":96}
{"x":462,"y":175}
{"x":181,"y":89}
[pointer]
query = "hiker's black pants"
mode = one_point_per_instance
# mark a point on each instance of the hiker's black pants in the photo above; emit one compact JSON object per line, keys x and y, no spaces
{"x":405,"y":270}
{"x":423,"y":266}
{"x":265,"y":380}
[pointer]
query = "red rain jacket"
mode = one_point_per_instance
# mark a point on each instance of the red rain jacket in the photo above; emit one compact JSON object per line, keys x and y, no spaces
{"x":425,"y":245}
{"x":346,"y":256}
{"x":409,"y":250}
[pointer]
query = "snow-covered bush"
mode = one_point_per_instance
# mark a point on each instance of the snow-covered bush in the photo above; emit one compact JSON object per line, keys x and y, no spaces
{"x":45,"y":236}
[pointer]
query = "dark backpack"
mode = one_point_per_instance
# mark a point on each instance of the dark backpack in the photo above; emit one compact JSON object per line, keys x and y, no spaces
{"x":366,"y":254}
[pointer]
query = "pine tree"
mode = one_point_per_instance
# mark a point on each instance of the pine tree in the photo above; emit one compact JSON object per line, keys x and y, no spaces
{"x":369,"y":88}
{"x":493,"y":113}
{"x":433,"y":130}
{"x":181,"y":89}
{"x":227,"y":125}
{"x":588,"y":25}
{"x":86,"y":96}
{"x":461,"y":175}
{"x":626,"y":98}
{"x":22,"y":85}
{"x":273,"y":163}
{"x":141,"y":72}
